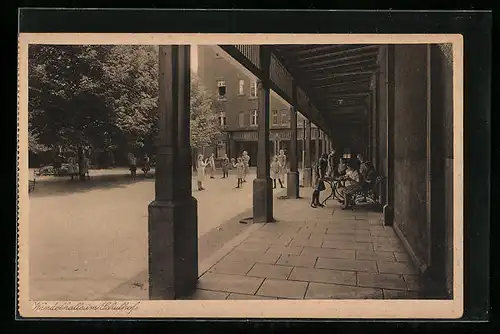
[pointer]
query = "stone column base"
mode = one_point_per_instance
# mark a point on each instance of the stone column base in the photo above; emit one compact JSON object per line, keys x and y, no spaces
{"x":262,"y":200}
{"x":432,"y":288}
{"x":173,"y":249}
{"x":292,"y":184}
{"x":307,"y":177}
{"x":388,"y":213}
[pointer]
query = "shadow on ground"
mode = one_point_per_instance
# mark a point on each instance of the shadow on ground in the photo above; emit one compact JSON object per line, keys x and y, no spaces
{"x":64,"y":185}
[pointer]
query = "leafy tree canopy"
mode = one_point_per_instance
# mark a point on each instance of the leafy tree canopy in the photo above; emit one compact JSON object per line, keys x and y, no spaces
{"x":104,"y":97}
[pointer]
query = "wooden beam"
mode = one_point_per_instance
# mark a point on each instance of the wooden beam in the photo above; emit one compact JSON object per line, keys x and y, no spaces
{"x":352,"y":70}
{"x":319,"y":92}
{"x":343,"y":83}
{"x":346,"y":74}
{"x":334,"y":54}
{"x":322,"y":48}
{"x":360,"y":63}
{"x":360,"y":95}
{"x":338,"y":60}
{"x":240,"y":58}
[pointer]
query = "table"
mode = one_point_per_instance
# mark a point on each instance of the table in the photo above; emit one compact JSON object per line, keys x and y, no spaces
{"x":335,"y":184}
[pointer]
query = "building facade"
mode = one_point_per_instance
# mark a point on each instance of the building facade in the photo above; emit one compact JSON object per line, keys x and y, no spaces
{"x":236,"y":103}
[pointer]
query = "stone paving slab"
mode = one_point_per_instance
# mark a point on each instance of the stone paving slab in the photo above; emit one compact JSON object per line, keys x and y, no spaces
{"x":307,"y":261}
{"x":232,"y":267}
{"x":254,"y":246}
{"x":388,"y":281}
{"x":270,"y":271}
{"x":283,"y":289}
{"x":401,"y":257}
{"x":209,"y":295}
{"x":323,"y":276}
{"x":411,"y":282}
{"x":291,"y":250}
{"x":256,"y":257}
{"x":353,"y":245}
{"x":375,"y":256}
{"x":333,"y":291}
{"x":399,"y":294}
{"x":350,"y":265}
{"x":229,"y":283}
{"x":329,"y":252}
{"x":239,"y":296}
{"x":316,"y":242}
{"x":396,"y":268}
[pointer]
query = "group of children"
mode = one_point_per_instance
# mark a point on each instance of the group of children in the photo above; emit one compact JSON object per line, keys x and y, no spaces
{"x":242,"y":167}
{"x":241,"y":164}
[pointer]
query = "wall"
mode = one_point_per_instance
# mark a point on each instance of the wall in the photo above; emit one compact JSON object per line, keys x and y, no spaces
{"x":442,"y":104}
{"x":410,"y":164}
{"x":381,"y":100}
{"x":213,"y":66}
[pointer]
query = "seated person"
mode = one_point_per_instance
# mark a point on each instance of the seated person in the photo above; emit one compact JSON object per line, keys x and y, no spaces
{"x":367,"y":172}
{"x":342,"y":167}
{"x":352,"y":185}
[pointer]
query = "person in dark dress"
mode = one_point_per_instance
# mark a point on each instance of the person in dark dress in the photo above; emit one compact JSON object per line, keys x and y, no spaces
{"x":320,"y":170}
{"x":225,"y":167}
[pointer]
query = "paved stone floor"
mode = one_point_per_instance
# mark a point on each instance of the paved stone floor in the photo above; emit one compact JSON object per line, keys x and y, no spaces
{"x":310,"y":253}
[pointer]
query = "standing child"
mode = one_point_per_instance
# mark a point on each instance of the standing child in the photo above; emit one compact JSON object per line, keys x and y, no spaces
{"x":132,"y":161}
{"x":245,"y":158}
{"x":275,"y":170}
{"x":225,"y":166}
{"x":240,"y":172}
{"x":282,"y":167}
{"x":200,"y":171}
{"x":211,"y":162}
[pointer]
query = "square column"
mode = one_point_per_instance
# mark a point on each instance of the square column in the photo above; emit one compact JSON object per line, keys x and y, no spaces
{"x":292,"y":185}
{"x":391,"y":98}
{"x":262,"y":185}
{"x":172,"y":219}
{"x":317,"y":152}
{"x":307,"y":163}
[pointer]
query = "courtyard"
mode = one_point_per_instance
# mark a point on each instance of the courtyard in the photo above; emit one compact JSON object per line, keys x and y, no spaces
{"x":97,"y":231}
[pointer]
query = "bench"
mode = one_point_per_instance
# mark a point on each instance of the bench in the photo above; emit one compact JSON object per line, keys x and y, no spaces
{"x":369,"y":194}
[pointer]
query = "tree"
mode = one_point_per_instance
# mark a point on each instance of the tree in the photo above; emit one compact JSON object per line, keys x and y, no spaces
{"x":205,"y":126}
{"x":66,"y":97}
{"x":133,"y":94}
{"x":104,"y":97}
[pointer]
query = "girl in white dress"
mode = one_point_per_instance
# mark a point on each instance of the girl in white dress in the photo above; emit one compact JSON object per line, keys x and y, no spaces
{"x":240,"y":171}
{"x":211,"y":162}
{"x":282,"y":167}
{"x":200,"y":171}
{"x":246,"y":161}
{"x":275,"y":170}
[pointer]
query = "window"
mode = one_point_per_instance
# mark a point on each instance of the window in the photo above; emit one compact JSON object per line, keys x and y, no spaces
{"x":221,"y":150}
{"x":222,"y":118}
{"x":275,"y":117}
{"x":284,"y":117}
{"x":241,"y":87}
{"x":253,"y":89}
{"x":241,"y":119}
{"x":254,"y":118}
{"x":221,"y":89}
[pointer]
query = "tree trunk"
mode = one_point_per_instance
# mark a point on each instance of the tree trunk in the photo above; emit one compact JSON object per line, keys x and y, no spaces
{"x":81,"y":163}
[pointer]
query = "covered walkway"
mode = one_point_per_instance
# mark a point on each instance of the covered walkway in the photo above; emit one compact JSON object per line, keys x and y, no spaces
{"x":391,"y":102}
